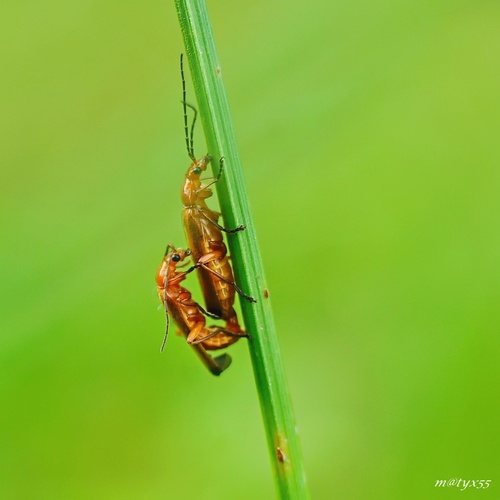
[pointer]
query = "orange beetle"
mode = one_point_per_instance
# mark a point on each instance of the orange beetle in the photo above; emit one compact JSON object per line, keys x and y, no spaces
{"x":189,"y":315}
{"x":204,"y":234}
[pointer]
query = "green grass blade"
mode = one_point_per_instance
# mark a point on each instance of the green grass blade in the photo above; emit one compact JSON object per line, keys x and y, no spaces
{"x":264,"y":349}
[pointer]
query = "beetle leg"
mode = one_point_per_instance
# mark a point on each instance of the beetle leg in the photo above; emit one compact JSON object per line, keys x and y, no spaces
{"x":193,"y":334}
{"x":222,"y":228}
{"x":232,"y":283}
{"x":221,"y":168}
{"x":214,"y":332}
{"x":207,"y":313}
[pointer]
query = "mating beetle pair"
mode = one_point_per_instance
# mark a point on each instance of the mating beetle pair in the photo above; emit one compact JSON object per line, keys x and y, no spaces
{"x":210,"y":261}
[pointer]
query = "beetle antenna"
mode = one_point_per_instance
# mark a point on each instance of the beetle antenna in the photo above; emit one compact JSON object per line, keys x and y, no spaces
{"x":165,"y":303}
{"x":189,"y":134}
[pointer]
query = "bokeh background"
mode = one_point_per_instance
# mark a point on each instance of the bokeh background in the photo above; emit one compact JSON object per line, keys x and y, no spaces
{"x":369,"y":137}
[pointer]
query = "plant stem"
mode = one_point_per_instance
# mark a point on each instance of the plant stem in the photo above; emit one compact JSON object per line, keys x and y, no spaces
{"x":263,"y":344}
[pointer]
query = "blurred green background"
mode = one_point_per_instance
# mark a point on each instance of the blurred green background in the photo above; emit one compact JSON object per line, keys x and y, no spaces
{"x":369,"y":137}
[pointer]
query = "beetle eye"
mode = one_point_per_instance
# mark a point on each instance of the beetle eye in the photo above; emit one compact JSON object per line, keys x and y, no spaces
{"x":197,"y":170}
{"x":176,"y":257}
